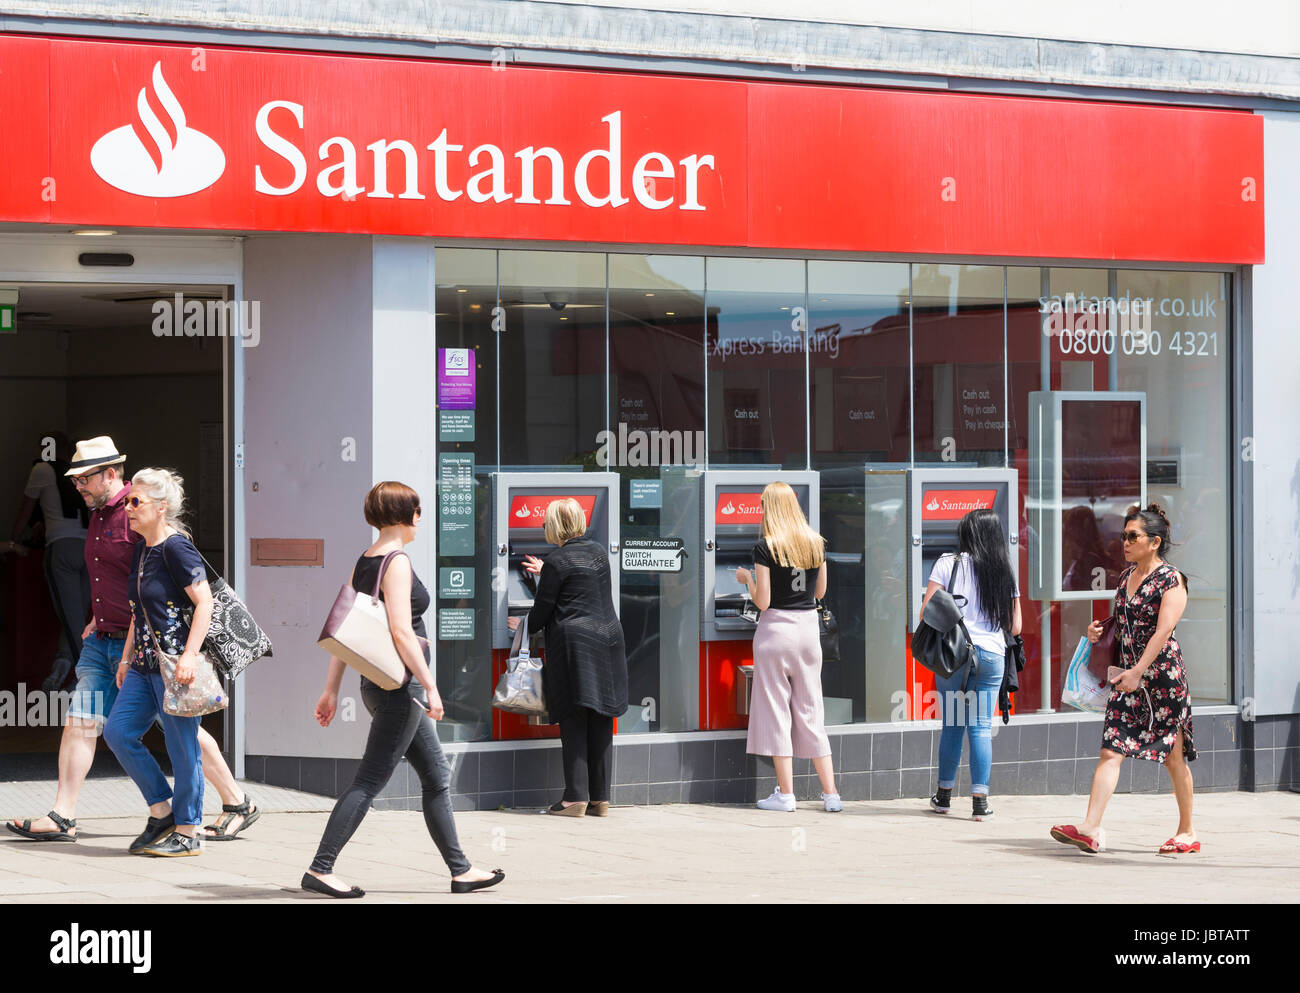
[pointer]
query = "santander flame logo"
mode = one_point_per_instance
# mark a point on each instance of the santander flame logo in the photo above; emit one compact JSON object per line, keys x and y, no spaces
{"x":729,"y":509}
{"x":178,"y":161}
{"x":933,"y":504}
{"x":525,"y":513}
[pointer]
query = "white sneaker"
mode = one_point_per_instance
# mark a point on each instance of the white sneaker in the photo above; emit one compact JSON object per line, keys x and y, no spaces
{"x":778,"y":801}
{"x":831,"y":801}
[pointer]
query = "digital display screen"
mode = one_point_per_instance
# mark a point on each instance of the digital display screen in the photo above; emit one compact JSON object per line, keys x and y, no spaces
{"x":1101,"y":479}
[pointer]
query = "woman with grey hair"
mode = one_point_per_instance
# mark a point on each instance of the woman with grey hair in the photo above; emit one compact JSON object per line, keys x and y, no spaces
{"x":166,"y":572}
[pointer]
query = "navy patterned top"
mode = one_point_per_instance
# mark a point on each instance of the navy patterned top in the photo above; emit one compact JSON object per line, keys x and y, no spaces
{"x":156,"y":591}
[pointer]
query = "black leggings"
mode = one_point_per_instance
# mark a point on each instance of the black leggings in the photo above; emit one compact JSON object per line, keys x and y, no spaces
{"x":585,"y":740}
{"x":398,"y":727}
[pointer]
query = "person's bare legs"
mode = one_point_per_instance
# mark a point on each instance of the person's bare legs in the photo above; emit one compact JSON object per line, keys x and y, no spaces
{"x":1104,"y":781}
{"x":784,"y":772}
{"x":76,"y":756}
{"x":217,"y":772}
{"x":1180,"y":774}
{"x":825,"y":773}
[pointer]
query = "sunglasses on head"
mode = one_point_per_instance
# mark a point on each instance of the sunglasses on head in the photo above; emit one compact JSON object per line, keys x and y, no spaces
{"x":1129,"y":536}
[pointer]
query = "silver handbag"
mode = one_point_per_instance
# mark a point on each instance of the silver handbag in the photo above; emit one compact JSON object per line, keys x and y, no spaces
{"x":519,"y":690}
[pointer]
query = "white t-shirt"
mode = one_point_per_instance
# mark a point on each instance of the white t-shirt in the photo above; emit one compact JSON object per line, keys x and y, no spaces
{"x":984,"y":631}
{"x":44,"y":488}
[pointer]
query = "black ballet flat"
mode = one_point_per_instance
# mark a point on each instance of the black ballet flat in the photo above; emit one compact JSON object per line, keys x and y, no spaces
{"x":470,"y":886}
{"x":314,"y":885}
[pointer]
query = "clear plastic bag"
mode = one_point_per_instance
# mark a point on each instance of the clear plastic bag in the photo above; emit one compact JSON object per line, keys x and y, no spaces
{"x":1082,"y":689}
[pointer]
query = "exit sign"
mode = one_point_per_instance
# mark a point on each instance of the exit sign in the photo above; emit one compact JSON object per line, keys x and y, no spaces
{"x":8,"y":319}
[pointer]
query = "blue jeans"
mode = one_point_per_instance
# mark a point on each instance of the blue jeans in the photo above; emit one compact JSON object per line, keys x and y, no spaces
{"x":973,"y":712}
{"x":96,"y":690}
{"x":138,"y":705}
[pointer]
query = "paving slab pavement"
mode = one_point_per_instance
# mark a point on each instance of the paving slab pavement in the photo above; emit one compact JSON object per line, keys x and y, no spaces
{"x":880,"y":852}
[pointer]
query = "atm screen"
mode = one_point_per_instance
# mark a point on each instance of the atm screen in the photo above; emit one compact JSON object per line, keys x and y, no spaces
{"x":738,"y":522}
{"x":1101,"y":478}
{"x":527,"y":516}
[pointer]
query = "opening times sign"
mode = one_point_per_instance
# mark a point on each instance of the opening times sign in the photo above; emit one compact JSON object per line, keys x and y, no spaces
{"x":456,"y":503}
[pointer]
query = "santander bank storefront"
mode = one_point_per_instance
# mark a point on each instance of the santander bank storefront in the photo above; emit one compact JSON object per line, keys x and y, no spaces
{"x":655,"y":293}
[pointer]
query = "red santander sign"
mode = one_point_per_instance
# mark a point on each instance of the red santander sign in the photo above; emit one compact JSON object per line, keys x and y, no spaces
{"x":154,"y":135}
{"x":530,"y":511}
{"x":953,"y":505}
{"x":739,"y":508}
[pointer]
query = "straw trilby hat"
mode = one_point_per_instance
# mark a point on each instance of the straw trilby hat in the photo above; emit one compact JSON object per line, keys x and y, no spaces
{"x":93,"y":454}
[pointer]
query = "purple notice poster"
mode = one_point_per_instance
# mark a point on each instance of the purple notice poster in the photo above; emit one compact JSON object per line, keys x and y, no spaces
{"x":456,"y":378}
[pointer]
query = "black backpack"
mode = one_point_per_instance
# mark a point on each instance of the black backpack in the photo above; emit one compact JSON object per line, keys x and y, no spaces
{"x":941,"y":641}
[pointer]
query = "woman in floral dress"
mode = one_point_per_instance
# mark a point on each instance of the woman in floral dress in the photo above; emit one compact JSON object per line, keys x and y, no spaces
{"x":1149,"y":715}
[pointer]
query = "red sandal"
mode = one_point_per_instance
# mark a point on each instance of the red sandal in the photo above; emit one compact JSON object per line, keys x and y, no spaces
{"x":1068,"y":834}
{"x":1172,"y":847}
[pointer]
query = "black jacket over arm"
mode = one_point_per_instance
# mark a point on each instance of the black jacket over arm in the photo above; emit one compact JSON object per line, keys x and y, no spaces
{"x":586,"y":662}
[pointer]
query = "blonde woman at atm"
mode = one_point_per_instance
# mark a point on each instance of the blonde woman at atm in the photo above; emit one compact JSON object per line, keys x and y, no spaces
{"x":786,"y":713}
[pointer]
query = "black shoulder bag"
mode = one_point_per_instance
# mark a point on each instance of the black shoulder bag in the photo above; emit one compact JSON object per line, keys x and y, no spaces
{"x":234,"y":640}
{"x":941,"y":641}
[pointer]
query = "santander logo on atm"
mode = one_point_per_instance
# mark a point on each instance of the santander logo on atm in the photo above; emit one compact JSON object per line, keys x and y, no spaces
{"x":177,"y":161}
{"x":738,"y":508}
{"x":951,"y":505}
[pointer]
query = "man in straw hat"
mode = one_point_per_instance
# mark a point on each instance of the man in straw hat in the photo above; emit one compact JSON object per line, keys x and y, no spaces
{"x":98,"y":470}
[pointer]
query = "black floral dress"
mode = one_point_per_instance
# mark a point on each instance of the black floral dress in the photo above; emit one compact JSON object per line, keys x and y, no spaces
{"x":1145,"y":724}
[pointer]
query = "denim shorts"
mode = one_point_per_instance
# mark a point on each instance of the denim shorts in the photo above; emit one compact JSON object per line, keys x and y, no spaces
{"x":97,"y":678}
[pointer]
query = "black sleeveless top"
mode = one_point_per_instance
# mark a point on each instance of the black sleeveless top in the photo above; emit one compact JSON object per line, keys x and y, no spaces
{"x":363,"y":581}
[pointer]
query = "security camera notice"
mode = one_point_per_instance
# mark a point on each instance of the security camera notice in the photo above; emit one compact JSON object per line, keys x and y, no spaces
{"x":653,"y":554}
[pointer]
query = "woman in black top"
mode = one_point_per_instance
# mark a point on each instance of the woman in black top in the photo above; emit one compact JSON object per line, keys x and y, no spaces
{"x":585,"y":674}
{"x":787,"y":714}
{"x":400,"y":724}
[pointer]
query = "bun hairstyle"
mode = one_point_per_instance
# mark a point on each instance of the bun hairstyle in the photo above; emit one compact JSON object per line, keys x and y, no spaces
{"x":1157,"y":524}
{"x":168,"y":488}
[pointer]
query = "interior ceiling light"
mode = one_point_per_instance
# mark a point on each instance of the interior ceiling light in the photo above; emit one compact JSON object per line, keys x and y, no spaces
{"x":94,"y":232}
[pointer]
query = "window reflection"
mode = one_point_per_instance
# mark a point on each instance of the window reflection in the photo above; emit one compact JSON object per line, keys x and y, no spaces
{"x":656,"y":347}
{"x":552,"y":344}
{"x":959,"y":398}
{"x":757,"y":396}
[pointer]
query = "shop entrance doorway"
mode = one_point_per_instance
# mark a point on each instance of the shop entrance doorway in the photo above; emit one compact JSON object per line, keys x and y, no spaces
{"x":80,"y":360}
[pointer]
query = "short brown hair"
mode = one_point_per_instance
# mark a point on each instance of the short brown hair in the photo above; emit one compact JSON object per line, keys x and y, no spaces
{"x":390,"y":503}
{"x":564,"y":520}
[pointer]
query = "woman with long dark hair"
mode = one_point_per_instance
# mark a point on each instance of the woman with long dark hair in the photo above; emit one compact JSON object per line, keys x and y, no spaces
{"x":985,"y":578}
{"x":1149,"y":714}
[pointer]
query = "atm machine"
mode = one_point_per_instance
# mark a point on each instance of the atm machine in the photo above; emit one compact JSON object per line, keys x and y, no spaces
{"x":933,"y":501}
{"x":724,"y":505}
{"x":519,"y":502}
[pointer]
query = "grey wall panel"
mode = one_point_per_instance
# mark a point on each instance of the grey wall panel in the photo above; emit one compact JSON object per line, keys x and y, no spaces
{"x":307,"y":388}
{"x":1276,"y":412}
